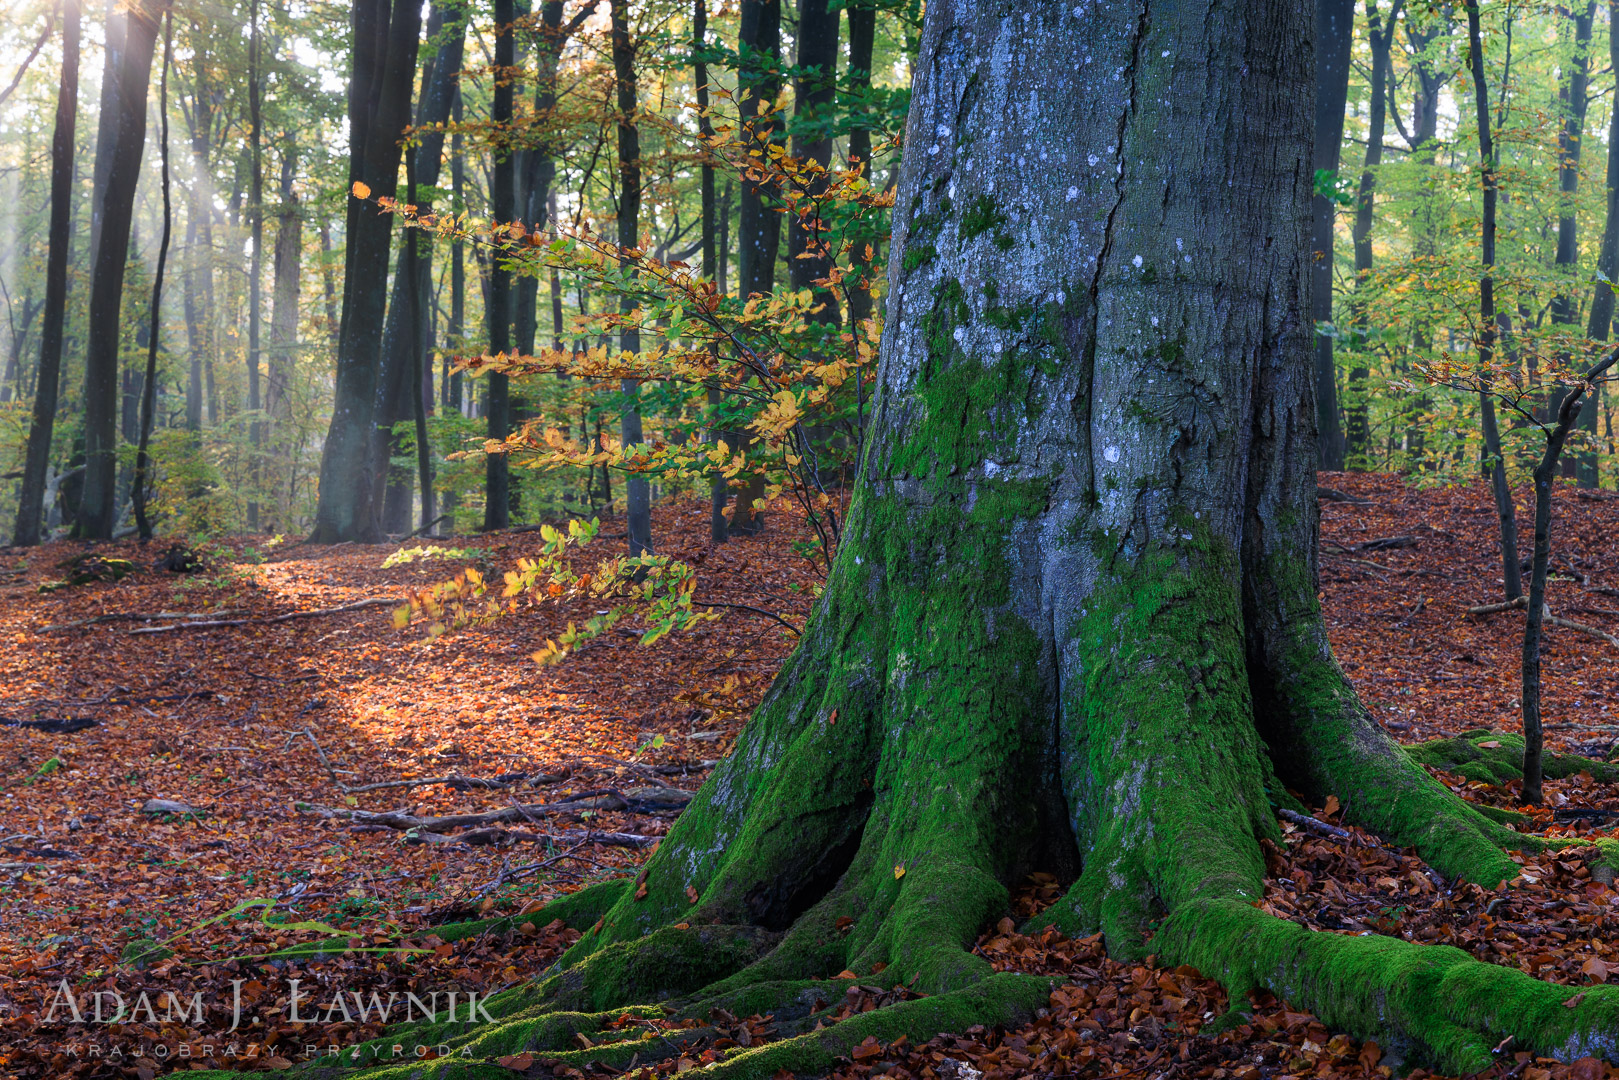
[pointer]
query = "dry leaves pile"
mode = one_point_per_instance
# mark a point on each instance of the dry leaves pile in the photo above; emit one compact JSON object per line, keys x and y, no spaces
{"x":249,"y":725}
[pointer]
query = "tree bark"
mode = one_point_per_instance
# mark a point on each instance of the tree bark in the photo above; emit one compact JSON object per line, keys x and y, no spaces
{"x":405,"y":337}
{"x":42,"y":420}
{"x":383,"y":71}
{"x":815,"y":95}
{"x":1494,"y":464}
{"x":1073,"y":625}
{"x":120,"y":142}
{"x":1334,"y":34}
{"x":498,"y":315}
{"x":637,"y":491}
{"x":1357,"y":427}
{"x":862,"y":42}
{"x":143,"y":462}
{"x":288,"y":257}
{"x":1579,"y":466}
{"x":759,"y":227}
{"x":1601,"y":320}
{"x":255,"y":262}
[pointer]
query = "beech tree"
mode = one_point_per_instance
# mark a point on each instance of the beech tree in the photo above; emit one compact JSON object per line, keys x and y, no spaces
{"x":1072,"y":625}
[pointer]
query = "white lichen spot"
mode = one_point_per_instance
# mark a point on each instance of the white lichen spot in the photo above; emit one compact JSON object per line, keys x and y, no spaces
{"x":1061,"y":296}
{"x":934,"y":149}
{"x":1186,"y":536}
{"x":959,"y":334}
{"x":942,"y":131}
{"x":1111,"y":454}
{"x":1155,"y":320}
{"x":1136,"y":262}
{"x":1164,"y":53}
{"x":1180,"y":245}
{"x":1073,"y":193}
{"x":1092,"y":160}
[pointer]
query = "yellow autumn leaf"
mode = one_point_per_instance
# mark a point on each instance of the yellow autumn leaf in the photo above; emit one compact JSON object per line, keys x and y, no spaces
{"x":361,"y":191}
{"x":899,"y":871}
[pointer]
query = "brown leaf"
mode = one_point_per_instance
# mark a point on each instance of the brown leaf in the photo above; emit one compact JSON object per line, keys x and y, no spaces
{"x":1597,"y":969}
{"x":1370,"y":1055}
{"x":516,"y":1062}
{"x":1575,"y":1000}
{"x":868,"y":1048}
{"x":1587,"y":1068}
{"x":691,"y":894}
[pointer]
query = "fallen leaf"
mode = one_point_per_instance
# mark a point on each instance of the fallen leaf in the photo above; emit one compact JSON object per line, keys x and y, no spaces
{"x":899,"y":872}
{"x":869,"y":1048}
{"x":691,"y":894}
{"x":1597,"y":969}
{"x":1330,"y":807}
{"x":516,"y":1062}
{"x":1575,"y":1000}
{"x":1587,"y":1068}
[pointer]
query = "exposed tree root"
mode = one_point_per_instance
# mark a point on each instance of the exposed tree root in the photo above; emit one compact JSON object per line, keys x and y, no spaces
{"x":1495,"y":757}
{"x":1429,"y":1002}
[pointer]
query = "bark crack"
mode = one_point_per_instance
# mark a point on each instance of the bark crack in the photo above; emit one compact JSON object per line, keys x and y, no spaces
{"x":1094,"y":289}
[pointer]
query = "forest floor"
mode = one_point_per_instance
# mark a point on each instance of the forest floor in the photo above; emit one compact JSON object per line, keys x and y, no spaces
{"x":262,"y":732}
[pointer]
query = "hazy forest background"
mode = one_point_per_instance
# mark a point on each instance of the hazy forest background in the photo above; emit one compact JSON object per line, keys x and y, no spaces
{"x":542,"y":118}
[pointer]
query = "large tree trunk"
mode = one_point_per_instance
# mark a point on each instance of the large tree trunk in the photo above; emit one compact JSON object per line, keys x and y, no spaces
{"x":383,"y":72}
{"x":42,"y":422}
{"x":1073,"y":623}
{"x":1334,"y":33}
{"x":119,"y":145}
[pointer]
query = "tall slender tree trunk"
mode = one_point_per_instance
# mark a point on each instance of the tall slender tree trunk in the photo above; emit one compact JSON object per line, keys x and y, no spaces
{"x":1494,"y":464}
{"x":1334,"y":34}
{"x":815,"y":94}
{"x":383,"y":72}
{"x":862,"y":43}
{"x":1357,"y":427}
{"x":1572,"y":101}
{"x":42,"y":421}
{"x":1601,"y":320}
{"x":759,"y":227}
{"x":498,"y":310}
{"x":718,"y":491}
{"x":406,"y":334}
{"x":141,"y":481}
{"x":255,"y":263}
{"x":288,"y":268}
{"x":119,"y":146}
{"x":759,"y":42}
{"x":637,"y":492}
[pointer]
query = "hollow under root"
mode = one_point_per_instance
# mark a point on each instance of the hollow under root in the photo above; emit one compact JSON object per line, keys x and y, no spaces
{"x":1430,"y":1003}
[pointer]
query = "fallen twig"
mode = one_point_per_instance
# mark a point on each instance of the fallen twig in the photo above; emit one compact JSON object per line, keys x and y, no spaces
{"x":1495,"y":609}
{"x":1314,"y":824}
{"x":483,"y":837}
{"x":133,"y":616}
{"x":380,"y":601}
{"x":460,"y":783}
{"x":1569,"y":624}
{"x":598,"y":801}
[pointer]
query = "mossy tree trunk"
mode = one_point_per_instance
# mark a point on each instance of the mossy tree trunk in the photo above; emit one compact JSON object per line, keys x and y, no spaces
{"x":1073,"y":625}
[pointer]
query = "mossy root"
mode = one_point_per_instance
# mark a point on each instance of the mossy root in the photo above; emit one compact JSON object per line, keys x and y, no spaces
{"x":1428,"y":1003}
